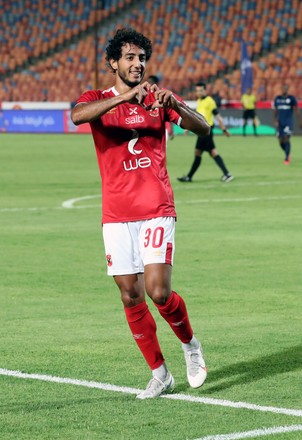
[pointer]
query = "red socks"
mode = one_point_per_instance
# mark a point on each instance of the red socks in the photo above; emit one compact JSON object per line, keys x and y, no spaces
{"x":143,"y":329}
{"x":176,"y":315}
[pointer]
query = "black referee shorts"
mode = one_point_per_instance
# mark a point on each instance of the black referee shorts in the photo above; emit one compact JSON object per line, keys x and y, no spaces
{"x":205,"y":143}
{"x":249,"y":114}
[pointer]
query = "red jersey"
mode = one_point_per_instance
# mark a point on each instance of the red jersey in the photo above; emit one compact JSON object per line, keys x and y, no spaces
{"x":130,"y":144}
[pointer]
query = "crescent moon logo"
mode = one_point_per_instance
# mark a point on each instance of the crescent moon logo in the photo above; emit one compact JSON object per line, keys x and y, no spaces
{"x":132,"y":143}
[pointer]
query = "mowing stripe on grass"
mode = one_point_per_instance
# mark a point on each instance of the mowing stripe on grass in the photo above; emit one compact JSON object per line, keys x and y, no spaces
{"x":127,"y":390}
{"x":239,"y":182}
{"x":252,"y":434}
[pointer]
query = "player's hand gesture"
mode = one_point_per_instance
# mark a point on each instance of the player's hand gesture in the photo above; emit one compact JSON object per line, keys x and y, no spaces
{"x":138,"y":93}
{"x":163,"y":98}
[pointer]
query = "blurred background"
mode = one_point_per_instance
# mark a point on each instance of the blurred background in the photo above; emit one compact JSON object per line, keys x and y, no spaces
{"x":54,"y":50}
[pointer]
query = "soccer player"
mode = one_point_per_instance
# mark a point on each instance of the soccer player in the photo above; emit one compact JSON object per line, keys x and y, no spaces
{"x":284,"y":106}
{"x":248,"y":100}
{"x":207,"y":107}
{"x":138,"y":213}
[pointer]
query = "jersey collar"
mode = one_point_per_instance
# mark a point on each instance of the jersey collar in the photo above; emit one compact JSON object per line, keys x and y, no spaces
{"x":114,"y":91}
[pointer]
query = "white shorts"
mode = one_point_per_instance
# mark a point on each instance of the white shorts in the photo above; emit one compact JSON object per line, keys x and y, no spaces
{"x":129,"y":247}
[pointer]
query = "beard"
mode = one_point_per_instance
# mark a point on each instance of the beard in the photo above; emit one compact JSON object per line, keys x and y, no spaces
{"x":128,"y":82}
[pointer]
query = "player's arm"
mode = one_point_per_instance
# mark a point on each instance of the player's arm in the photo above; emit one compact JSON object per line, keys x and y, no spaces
{"x":276,"y":117}
{"x":92,"y":110}
{"x":221,"y":123}
{"x":190,"y":119}
{"x":89,"y":111}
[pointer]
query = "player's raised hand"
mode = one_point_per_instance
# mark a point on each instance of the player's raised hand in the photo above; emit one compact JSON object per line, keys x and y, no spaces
{"x":142,"y":91}
{"x":163,"y":98}
{"x":138,"y":93}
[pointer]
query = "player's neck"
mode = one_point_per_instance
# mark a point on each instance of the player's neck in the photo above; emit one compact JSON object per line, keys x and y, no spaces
{"x":121,"y":86}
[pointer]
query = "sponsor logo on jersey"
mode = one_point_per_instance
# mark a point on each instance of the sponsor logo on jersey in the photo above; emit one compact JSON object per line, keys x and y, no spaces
{"x":133,"y":111}
{"x":137,"y":119}
{"x":154,"y":112}
{"x":134,"y":117}
{"x":284,"y":107}
{"x":132,"y":143}
{"x":134,"y":164}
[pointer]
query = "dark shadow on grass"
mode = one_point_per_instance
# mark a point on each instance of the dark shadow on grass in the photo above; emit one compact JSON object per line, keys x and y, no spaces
{"x":250,"y":371}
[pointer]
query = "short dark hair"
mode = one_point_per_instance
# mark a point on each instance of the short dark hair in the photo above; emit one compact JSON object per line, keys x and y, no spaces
{"x":201,"y":84}
{"x":122,"y":37}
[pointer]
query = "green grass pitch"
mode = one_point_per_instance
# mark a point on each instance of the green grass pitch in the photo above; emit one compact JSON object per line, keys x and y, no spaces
{"x":238,"y":265}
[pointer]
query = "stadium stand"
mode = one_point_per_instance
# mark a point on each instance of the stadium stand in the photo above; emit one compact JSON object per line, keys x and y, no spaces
{"x":34,"y":28}
{"x":283,"y":65}
{"x":53,"y":44}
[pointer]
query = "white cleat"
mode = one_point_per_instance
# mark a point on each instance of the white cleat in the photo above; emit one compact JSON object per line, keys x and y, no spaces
{"x":227,"y":178}
{"x":196,"y":367}
{"x":157,"y":387}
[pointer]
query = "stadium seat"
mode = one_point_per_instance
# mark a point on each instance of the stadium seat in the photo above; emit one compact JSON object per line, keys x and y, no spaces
{"x":191,"y":39}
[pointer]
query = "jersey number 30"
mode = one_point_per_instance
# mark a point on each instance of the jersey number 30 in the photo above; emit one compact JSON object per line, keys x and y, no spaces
{"x":154,"y":237}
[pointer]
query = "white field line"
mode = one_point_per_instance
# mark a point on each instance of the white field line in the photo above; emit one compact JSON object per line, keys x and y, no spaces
{"x":25,"y":209}
{"x":127,"y":390}
{"x":70,"y":204}
{"x":239,"y":199}
{"x":253,"y":434}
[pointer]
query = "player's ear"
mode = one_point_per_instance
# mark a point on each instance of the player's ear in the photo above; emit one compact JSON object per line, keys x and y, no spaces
{"x":113,"y":64}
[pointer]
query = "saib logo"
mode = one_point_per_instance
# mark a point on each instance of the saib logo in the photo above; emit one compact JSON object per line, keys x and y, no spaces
{"x":134,"y":117}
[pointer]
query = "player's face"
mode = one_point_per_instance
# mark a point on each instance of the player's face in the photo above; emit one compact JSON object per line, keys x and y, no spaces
{"x":130,"y":68}
{"x":200,"y":92}
{"x":284,"y":89}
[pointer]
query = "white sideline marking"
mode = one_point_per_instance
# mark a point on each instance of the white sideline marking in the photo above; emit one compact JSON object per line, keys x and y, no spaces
{"x":69,"y":203}
{"x":127,"y":390}
{"x":255,"y":433}
{"x":66,"y":380}
{"x":23,"y":209}
{"x":239,"y":199}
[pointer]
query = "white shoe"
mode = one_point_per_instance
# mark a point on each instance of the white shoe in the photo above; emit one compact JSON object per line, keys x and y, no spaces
{"x":156,"y":387}
{"x":227,"y":178}
{"x":196,"y":367}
